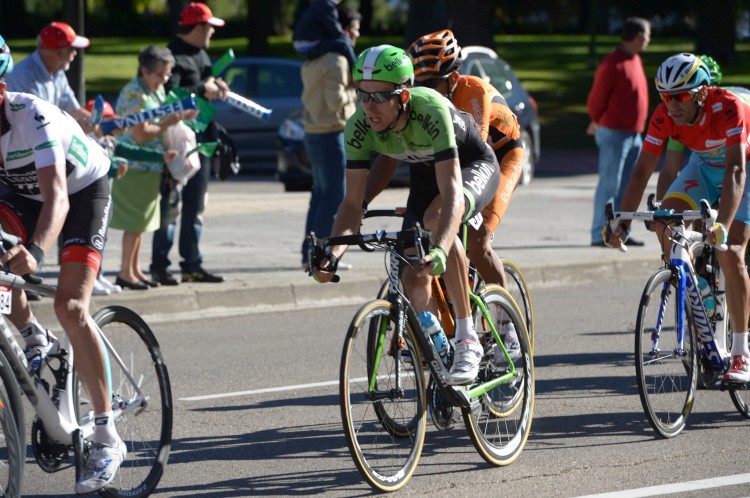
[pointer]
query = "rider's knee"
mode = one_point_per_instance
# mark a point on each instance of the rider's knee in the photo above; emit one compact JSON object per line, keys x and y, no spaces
{"x":71,"y":313}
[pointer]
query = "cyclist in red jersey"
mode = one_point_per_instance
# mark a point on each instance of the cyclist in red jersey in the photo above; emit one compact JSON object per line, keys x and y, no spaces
{"x":714,"y":124}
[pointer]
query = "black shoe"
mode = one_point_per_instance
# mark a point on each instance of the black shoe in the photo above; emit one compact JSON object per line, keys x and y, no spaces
{"x":130,"y":285}
{"x":33,"y":296}
{"x":151,"y":283}
{"x":201,"y":275}
{"x":634,"y":242}
{"x":163,"y":277}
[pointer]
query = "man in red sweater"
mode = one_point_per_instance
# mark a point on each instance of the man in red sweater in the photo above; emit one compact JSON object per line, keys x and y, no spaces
{"x":618,"y":107}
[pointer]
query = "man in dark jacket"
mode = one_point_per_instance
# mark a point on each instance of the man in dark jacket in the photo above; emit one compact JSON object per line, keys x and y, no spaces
{"x":192,"y":71}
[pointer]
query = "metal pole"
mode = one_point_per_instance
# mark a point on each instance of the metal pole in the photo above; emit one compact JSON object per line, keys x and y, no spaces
{"x":73,"y":14}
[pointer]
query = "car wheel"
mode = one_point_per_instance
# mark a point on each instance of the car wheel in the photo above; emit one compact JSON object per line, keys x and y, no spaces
{"x":528,"y":158}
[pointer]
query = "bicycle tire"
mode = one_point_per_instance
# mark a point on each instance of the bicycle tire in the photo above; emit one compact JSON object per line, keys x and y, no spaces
{"x":13,"y":451}
{"x":499,"y":425}
{"x":385,"y":436}
{"x":146,"y":431}
{"x":666,"y":381}
{"x":520,"y":292}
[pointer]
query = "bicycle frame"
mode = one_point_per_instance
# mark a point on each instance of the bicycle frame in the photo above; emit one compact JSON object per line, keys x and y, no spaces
{"x":455,"y":396}
{"x":680,"y":262}
{"x":60,"y":421}
{"x":687,"y":283}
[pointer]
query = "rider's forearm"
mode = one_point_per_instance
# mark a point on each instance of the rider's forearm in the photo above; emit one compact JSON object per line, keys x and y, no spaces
{"x":348,"y":220}
{"x":450,"y":219}
{"x":50,"y":222}
{"x":732,"y":189}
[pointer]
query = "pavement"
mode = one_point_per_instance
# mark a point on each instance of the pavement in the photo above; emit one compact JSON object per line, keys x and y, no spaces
{"x":253,"y":231}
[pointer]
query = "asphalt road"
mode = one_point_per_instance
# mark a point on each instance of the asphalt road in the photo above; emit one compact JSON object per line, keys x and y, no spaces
{"x":256,"y":412}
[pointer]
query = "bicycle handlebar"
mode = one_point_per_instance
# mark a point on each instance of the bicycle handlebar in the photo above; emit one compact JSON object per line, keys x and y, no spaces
{"x":8,"y":241}
{"x":416,"y":236}
{"x":706,"y":213}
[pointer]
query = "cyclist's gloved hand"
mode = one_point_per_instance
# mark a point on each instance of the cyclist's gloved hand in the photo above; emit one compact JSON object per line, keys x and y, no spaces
{"x":326,"y":270}
{"x":720,"y":233}
{"x":439,"y":259}
{"x":615,"y":238}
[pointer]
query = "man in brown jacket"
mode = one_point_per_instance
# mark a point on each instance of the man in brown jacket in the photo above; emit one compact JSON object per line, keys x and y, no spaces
{"x":329,"y":100}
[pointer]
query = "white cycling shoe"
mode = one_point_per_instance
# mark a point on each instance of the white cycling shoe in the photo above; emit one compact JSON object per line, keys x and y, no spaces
{"x":466,"y":360}
{"x":102,"y":465}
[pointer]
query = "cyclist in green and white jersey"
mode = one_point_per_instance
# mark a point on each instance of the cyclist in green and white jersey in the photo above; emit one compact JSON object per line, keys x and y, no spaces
{"x":454,"y":174}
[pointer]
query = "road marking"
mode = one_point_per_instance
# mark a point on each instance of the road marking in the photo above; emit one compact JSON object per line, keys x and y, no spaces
{"x":680,"y":487}
{"x":239,"y":394}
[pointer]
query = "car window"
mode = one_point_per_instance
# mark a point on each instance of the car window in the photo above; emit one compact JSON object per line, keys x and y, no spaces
{"x":267,"y":80}
{"x":236,"y":77}
{"x":498,"y":75}
{"x":278,"y":81}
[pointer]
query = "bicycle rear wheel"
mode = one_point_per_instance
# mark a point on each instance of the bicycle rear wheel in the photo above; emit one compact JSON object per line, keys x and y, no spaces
{"x":384,"y":425}
{"x":666,"y":379}
{"x":500,"y":423}
{"x":520,"y":292}
{"x":12,"y":442}
{"x":147,"y":429}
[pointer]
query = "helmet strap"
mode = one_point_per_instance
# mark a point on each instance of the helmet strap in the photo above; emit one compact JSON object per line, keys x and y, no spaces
{"x":402,"y":109}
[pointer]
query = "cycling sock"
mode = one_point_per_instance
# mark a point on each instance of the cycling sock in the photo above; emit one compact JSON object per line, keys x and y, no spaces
{"x":34,"y":334}
{"x":104,"y":429}
{"x":739,"y":344}
{"x":465,"y":330}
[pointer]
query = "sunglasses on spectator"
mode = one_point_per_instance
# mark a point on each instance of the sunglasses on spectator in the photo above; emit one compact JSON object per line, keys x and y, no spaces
{"x":678,"y":97}
{"x":377,"y":97}
{"x":430,"y":83}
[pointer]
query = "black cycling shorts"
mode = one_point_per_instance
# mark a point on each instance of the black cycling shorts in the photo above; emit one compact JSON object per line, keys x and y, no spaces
{"x":480,"y":179}
{"x":85,"y":229}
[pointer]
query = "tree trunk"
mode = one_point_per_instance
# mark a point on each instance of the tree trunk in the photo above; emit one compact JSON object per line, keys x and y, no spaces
{"x":175,"y":7}
{"x":471,"y":22}
{"x":426,"y":16}
{"x":716,"y":30}
{"x":73,"y":14}
{"x":260,"y":26}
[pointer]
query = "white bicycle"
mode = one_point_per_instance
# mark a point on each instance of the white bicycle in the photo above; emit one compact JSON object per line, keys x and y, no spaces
{"x":64,"y":422}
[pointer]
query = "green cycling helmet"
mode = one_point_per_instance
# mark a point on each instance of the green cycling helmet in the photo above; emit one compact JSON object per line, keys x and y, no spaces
{"x":6,"y":60}
{"x":713,"y":68}
{"x":384,"y":63}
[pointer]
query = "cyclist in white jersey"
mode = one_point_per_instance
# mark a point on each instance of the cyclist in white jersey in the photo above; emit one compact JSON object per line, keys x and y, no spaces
{"x":57,"y":184}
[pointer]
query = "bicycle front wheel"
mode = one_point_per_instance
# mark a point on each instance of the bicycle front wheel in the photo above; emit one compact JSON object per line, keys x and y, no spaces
{"x":667,"y":371}
{"x":520,"y":292}
{"x":382,"y":400}
{"x":500,"y":423}
{"x":12,"y":444}
{"x":140,"y":382}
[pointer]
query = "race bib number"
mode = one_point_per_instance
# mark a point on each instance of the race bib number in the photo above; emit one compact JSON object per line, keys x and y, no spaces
{"x":5,"y":295}
{"x":476,"y":221}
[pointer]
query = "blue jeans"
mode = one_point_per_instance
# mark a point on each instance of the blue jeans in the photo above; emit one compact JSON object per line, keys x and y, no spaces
{"x":191,"y":223}
{"x":328,"y":163}
{"x":618,"y":151}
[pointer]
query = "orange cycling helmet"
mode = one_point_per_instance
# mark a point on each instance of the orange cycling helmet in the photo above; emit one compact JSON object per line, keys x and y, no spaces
{"x":436,"y":54}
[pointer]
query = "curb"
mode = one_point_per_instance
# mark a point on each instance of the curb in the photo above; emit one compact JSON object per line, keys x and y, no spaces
{"x":243,"y":297}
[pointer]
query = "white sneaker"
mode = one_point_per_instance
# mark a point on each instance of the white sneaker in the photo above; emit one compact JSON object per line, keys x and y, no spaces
{"x":101,"y":467}
{"x":113,"y":288}
{"x":466,"y":360}
{"x":510,"y":340}
{"x":100,"y":288}
{"x":35,"y":354}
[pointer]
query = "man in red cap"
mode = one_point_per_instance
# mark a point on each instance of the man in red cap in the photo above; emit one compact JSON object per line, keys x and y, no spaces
{"x":192,"y":71}
{"x":43,"y":72}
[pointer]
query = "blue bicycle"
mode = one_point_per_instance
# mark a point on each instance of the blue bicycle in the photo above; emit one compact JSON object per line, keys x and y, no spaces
{"x":680,"y":342}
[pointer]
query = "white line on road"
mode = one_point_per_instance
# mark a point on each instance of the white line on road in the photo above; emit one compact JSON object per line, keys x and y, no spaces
{"x":239,"y":394}
{"x":679,"y":487}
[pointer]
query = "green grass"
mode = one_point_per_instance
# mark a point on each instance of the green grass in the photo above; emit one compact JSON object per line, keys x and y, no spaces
{"x":555,"y":69}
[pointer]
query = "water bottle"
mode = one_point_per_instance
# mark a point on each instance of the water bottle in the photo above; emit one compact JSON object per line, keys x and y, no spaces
{"x":431,"y":324}
{"x":708,"y":298}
